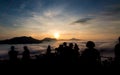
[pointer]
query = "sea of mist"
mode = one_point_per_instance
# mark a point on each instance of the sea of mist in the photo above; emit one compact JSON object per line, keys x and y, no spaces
{"x":106,"y":47}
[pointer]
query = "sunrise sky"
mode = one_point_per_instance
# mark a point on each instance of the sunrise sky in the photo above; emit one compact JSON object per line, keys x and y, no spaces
{"x":84,"y":19}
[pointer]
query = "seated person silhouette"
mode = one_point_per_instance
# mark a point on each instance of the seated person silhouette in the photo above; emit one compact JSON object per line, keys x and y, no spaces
{"x":13,"y":54}
{"x":26,"y":54}
{"x":117,"y":51}
{"x":90,"y":56}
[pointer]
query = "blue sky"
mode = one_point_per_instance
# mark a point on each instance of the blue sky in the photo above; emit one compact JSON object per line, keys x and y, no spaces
{"x":98,"y":19}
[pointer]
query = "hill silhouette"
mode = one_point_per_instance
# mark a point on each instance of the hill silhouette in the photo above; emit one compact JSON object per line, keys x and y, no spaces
{"x":75,"y":39}
{"x":20,"y":40}
{"x":71,"y":39}
{"x":25,"y":40}
{"x":49,"y":39}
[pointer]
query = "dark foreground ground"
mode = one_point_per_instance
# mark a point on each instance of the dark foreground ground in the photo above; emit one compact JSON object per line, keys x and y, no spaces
{"x":55,"y":66}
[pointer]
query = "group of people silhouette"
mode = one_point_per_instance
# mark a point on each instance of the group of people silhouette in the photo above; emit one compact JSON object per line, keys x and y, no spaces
{"x":67,"y":54}
{"x":13,"y":54}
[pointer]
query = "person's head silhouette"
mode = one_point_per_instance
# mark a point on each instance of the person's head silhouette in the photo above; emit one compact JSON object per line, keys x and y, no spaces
{"x":61,"y":46}
{"x":76,"y":45}
{"x":49,"y":48}
{"x":12,"y":48}
{"x":90,"y":44}
{"x":71,"y":45}
{"x":65,"y":44}
{"x":25,"y":48}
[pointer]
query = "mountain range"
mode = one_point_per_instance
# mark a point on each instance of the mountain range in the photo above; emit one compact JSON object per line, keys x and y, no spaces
{"x":25,"y":40}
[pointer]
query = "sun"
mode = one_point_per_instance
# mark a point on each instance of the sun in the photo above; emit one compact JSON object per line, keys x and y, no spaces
{"x":56,"y":35}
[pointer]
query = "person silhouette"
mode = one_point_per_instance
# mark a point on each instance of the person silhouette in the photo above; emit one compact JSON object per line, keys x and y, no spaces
{"x":117,"y":51}
{"x":13,"y":54}
{"x":59,"y":50}
{"x":70,"y":52}
{"x":65,"y":44}
{"x":48,"y":50}
{"x":65,"y":49}
{"x":76,"y":49}
{"x":26,"y":54}
{"x":90,"y":56}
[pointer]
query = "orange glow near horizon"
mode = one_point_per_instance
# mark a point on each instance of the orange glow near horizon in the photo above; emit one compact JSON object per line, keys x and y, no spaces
{"x":61,"y":35}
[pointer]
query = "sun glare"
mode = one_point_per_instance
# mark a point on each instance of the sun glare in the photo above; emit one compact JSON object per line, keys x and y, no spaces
{"x":56,"y":35}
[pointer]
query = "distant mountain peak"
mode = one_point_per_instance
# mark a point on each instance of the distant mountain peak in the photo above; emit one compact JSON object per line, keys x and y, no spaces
{"x":74,"y":39}
{"x":49,"y":39}
{"x":20,"y":40}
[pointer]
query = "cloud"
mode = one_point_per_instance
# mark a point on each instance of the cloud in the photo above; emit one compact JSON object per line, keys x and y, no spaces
{"x":83,"y":20}
{"x":111,"y":13}
{"x":52,"y":13}
{"x":112,"y":10}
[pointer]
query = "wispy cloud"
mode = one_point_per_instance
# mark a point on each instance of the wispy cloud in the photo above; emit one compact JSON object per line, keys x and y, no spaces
{"x":110,"y":13}
{"x":52,"y":13}
{"x":112,"y":10}
{"x":82,"y":20}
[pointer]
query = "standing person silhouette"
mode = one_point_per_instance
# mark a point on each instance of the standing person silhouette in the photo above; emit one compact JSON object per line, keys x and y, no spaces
{"x":26,"y":54}
{"x":76,"y":50}
{"x":48,"y":50}
{"x":90,"y":56}
{"x":117,"y":51}
{"x":13,"y":54}
{"x":76,"y":53}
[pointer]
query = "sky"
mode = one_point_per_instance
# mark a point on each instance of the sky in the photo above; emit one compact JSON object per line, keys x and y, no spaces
{"x":84,"y":19}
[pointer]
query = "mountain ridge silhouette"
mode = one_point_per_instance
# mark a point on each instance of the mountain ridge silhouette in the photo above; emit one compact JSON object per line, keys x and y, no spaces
{"x":24,"y":40}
